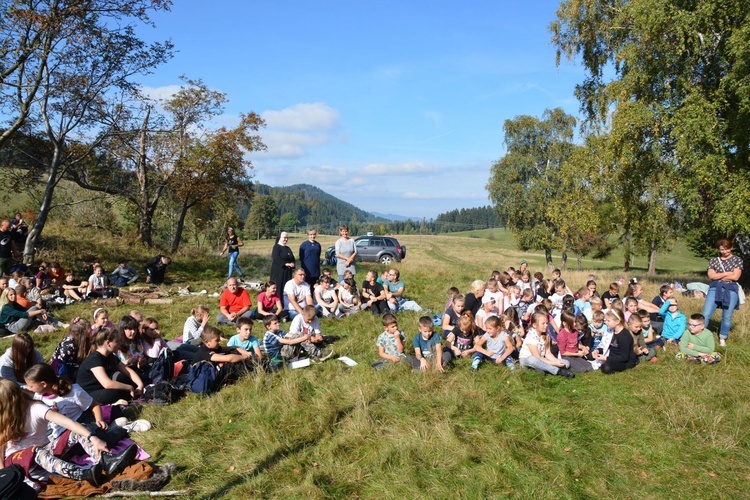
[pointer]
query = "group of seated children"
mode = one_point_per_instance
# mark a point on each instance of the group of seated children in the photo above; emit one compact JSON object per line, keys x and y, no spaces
{"x":542,"y":325}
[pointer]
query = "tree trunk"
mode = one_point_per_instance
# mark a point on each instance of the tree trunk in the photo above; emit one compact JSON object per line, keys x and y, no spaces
{"x":29,"y":249}
{"x":652,"y":257}
{"x":579,"y":256}
{"x":144,"y":219}
{"x":548,"y":258}
{"x":626,"y":266}
{"x":180,"y":226}
{"x":565,"y":255}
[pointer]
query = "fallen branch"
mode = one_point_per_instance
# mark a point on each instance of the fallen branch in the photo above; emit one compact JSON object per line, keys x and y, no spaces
{"x":173,"y":493}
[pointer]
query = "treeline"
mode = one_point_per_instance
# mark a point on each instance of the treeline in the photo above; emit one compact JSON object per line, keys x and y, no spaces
{"x":294,"y":208}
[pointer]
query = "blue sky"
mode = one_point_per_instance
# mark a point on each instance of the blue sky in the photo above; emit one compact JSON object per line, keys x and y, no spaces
{"x":395,"y":107}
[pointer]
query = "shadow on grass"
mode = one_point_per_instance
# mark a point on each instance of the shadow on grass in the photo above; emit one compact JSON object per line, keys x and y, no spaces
{"x":264,"y":465}
{"x":286,"y":451}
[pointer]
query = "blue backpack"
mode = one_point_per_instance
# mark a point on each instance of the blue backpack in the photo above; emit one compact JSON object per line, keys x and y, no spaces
{"x":202,"y":378}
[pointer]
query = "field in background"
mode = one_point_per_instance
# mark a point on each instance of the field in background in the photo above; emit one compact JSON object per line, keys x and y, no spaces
{"x":663,"y":430}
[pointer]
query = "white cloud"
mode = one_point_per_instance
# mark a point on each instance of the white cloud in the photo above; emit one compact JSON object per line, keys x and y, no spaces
{"x":282,"y":144}
{"x":405,"y":168}
{"x":160,"y":93}
{"x":303,"y":116}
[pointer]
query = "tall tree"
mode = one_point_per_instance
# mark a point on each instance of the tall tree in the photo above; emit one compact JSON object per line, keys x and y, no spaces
{"x":526,"y":179}
{"x":39,"y":39}
{"x":687,"y":64}
{"x":98,"y":55}
{"x":214,"y":166}
{"x":263,"y":218}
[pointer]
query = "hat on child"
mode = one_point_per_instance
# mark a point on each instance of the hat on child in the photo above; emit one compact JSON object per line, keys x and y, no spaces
{"x":487,"y":298}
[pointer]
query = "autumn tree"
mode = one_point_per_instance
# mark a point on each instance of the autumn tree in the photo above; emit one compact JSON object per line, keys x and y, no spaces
{"x":526,"y":179}
{"x":684,"y":65}
{"x":214,"y":166}
{"x":92,"y":52}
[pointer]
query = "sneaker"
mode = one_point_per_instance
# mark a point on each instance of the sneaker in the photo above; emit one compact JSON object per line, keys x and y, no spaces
{"x":323,"y":354}
{"x":653,"y":360}
{"x":564,"y":372}
{"x":121,"y":422}
{"x":475,"y":365}
{"x":137,"y":426}
{"x":723,"y":342}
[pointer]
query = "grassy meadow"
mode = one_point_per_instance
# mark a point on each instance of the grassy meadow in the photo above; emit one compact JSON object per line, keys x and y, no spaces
{"x":664,"y":430}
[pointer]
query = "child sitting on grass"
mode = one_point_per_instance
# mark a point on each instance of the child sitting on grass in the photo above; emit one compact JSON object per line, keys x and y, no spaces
{"x":428,"y":348}
{"x":307,"y":324}
{"x":451,"y":315}
{"x":650,"y":336}
{"x":642,"y":351}
{"x":495,"y":345}
{"x":674,"y":322}
{"x":536,"y":353}
{"x":244,"y":338}
{"x":461,"y":339}
{"x":697,"y":343}
{"x":210,"y":350}
{"x":390,"y":343}
{"x":151,"y":338}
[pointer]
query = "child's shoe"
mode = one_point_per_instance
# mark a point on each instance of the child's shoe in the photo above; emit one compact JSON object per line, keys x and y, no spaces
{"x":475,"y":365}
{"x":722,"y":342}
{"x":653,"y":360}
{"x":137,"y":426}
{"x":323,"y":354}
{"x":510,"y":364}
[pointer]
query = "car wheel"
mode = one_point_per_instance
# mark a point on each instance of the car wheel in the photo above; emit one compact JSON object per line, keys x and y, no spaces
{"x":386,"y":260}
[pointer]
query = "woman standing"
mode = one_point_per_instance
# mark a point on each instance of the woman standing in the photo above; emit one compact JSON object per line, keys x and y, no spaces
{"x":346,"y":252}
{"x":232,"y":246}
{"x":282,"y":263}
{"x":724,"y":272}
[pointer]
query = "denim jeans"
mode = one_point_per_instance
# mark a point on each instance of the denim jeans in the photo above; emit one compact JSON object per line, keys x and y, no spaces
{"x":233,"y":263}
{"x":727,"y":310}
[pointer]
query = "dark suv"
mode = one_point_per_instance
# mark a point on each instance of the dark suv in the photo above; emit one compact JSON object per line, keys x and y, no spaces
{"x":383,"y":249}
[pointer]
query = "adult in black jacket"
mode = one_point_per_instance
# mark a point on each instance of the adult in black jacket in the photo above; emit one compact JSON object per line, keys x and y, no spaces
{"x":282,"y":263}
{"x":155,"y":269}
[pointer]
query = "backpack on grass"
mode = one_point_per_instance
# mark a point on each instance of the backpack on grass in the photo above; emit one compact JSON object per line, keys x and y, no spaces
{"x":202,"y":378}
{"x":163,"y":368}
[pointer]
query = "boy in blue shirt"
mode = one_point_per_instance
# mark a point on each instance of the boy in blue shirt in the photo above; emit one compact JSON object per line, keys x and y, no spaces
{"x":244,"y":337}
{"x":428,"y":348}
{"x":674,"y":322}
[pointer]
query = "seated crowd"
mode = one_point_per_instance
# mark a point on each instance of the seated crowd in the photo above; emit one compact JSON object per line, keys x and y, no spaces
{"x":514,"y":319}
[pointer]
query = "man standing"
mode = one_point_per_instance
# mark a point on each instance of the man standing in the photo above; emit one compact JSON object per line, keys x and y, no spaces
{"x":297,"y":294}
{"x":309,"y":256}
{"x":7,"y":247}
{"x":234,"y":303}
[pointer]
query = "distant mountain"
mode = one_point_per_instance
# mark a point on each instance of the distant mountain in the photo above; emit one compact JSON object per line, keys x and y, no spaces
{"x":314,"y":207}
{"x":392,"y":216}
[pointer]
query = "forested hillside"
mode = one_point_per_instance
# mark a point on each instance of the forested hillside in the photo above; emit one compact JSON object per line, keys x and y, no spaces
{"x":310,"y":206}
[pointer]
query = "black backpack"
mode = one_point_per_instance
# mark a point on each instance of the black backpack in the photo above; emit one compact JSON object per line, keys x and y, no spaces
{"x":163,"y":368}
{"x":12,"y":486}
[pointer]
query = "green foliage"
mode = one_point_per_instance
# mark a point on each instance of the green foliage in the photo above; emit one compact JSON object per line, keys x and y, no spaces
{"x":527,"y":178}
{"x":681,"y":78}
{"x":466,"y":218}
{"x":263,"y":219}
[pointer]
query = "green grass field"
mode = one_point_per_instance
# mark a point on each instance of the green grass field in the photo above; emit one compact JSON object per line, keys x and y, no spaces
{"x":662,"y":430}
